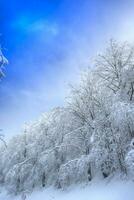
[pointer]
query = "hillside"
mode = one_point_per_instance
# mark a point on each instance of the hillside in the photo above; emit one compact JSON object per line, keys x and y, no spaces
{"x":99,"y":191}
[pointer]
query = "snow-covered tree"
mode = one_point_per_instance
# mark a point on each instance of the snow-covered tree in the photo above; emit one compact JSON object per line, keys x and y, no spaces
{"x":129,"y":160}
{"x":3,"y":62}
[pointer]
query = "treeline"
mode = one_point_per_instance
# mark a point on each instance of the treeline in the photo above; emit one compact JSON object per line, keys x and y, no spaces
{"x":92,"y":135}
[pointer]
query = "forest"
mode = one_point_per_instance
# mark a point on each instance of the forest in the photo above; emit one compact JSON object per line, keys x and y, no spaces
{"x":92,"y":135}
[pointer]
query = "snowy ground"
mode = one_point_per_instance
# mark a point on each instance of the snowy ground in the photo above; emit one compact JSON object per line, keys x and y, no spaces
{"x":101,"y":191}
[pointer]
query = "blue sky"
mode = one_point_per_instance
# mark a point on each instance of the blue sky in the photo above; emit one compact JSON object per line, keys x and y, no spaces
{"x":47,"y":43}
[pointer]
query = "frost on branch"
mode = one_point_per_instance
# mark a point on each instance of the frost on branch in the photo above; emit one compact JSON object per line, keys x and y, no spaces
{"x":3,"y":62}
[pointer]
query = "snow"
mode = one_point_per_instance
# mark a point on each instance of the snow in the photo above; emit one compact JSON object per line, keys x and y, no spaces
{"x":99,"y":191}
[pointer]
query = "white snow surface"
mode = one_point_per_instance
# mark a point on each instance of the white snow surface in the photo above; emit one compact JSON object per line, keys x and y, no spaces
{"x":100,"y":191}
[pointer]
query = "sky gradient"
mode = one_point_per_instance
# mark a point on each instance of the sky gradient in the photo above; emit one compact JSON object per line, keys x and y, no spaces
{"x":47,"y":43}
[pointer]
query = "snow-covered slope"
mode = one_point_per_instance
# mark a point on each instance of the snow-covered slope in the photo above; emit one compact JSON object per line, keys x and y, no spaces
{"x":99,"y":191}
